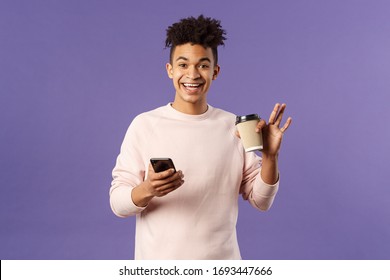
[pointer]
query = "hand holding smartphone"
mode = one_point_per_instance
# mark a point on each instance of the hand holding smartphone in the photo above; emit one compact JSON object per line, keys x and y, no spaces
{"x":162,"y":164}
{"x":161,"y":182}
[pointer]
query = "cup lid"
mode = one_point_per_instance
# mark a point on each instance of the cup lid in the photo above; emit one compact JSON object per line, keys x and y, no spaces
{"x":240,"y":119}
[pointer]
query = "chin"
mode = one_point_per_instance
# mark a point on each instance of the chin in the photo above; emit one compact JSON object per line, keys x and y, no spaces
{"x":193,"y":97}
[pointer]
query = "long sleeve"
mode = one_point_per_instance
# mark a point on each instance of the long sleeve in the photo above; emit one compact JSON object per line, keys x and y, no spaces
{"x":128,"y":173}
{"x":259,"y":194}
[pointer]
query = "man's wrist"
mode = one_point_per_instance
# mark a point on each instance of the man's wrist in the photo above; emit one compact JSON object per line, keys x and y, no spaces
{"x":269,"y":171}
{"x":270,"y":157}
{"x":140,"y":195}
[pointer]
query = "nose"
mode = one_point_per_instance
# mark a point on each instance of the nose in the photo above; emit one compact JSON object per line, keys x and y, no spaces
{"x":193,"y":73}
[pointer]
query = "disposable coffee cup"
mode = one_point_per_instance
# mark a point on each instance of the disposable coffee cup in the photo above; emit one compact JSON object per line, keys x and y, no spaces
{"x":251,"y":140}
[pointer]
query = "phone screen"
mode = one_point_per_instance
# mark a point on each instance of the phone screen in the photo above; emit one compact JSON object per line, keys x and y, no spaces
{"x":162,"y":164}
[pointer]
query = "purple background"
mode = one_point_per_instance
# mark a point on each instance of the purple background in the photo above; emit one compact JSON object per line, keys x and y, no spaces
{"x":73,"y":74}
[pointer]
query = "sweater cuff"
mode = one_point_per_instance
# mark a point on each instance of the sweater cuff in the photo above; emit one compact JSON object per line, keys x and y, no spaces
{"x":124,"y":205}
{"x":266,"y":190}
{"x":263,"y":194}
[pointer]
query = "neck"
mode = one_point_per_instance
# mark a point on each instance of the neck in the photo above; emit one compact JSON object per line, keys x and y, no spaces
{"x":190,"y":108}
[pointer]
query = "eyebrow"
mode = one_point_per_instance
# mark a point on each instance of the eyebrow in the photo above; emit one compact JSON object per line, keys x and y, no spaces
{"x":200,"y":60}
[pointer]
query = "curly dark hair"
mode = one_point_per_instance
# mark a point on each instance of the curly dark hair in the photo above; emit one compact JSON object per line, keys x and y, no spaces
{"x":203,"y":31}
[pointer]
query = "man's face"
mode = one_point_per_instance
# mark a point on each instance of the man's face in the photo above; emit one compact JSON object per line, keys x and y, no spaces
{"x":192,"y":71}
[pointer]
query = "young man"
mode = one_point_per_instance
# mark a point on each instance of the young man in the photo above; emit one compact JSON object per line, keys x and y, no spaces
{"x":192,"y":213}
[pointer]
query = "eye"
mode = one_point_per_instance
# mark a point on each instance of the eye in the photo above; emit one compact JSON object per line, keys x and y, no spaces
{"x":204,"y":66}
{"x":182,"y":65}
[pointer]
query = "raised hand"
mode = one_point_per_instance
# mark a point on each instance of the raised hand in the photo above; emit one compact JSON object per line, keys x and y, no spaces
{"x":272,"y":132}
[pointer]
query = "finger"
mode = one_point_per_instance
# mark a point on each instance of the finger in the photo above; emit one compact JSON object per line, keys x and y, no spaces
{"x":238,"y":134}
{"x":167,"y":188}
{"x":280,"y":115}
{"x":260,"y":125}
{"x":286,"y":125}
{"x":168,"y":180}
{"x":167,"y":191}
{"x":163,"y":174}
{"x":151,"y":170}
{"x":274,"y":113}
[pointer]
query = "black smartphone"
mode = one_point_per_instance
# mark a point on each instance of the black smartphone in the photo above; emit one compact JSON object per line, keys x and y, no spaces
{"x":162,"y":164}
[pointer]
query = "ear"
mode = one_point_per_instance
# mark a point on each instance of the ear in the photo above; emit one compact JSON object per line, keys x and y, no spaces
{"x":169,"y":68}
{"x":217,"y":69}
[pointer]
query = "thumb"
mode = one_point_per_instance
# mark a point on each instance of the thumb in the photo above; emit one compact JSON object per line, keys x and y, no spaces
{"x":151,"y":170}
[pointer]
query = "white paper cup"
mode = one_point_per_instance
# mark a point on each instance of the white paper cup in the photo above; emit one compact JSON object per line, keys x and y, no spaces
{"x":246,"y":125}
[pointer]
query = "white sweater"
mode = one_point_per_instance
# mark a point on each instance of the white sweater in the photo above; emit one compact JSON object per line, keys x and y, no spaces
{"x":198,"y":220}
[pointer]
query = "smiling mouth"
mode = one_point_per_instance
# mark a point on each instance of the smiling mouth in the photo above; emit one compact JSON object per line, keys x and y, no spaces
{"x":192,"y":86}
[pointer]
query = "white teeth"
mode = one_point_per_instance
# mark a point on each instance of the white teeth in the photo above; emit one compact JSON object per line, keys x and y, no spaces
{"x":191,"y":85}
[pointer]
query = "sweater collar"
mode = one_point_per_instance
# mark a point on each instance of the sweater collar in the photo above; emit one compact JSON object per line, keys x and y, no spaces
{"x":182,"y":116}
